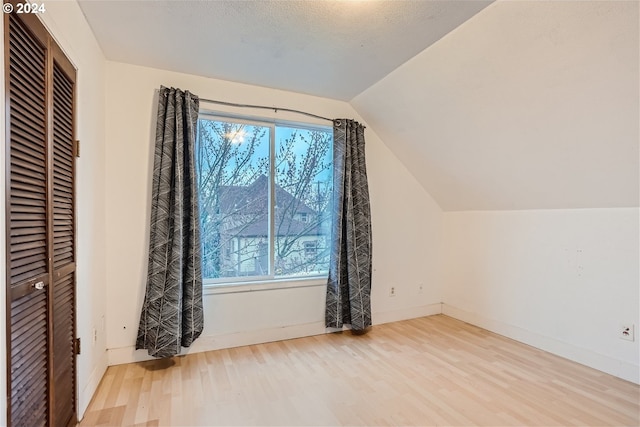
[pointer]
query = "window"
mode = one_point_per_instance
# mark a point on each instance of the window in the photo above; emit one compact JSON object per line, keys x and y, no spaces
{"x":265,"y":199}
{"x":310,"y":248}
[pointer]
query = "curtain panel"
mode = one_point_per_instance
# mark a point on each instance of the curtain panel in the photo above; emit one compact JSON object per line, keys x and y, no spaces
{"x":349,"y":284}
{"x":172,"y":314}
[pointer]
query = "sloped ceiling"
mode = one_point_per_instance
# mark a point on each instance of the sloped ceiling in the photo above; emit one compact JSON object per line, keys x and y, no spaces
{"x":330,"y":48}
{"x":528,"y":105}
{"x":509,"y":105}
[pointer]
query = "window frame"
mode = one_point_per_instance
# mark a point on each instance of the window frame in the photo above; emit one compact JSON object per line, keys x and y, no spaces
{"x":270,"y":281}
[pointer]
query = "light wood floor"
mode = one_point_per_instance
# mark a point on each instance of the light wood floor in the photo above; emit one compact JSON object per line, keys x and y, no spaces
{"x":428,"y":371}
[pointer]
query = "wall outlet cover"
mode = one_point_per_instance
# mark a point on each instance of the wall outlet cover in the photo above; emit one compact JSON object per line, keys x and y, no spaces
{"x":627,"y":332}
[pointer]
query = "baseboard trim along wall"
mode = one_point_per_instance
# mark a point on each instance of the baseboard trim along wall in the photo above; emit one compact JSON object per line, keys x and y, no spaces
{"x":407,"y":313}
{"x":89,"y":390}
{"x":119,"y":356}
{"x":609,"y":365}
{"x":624,"y":370}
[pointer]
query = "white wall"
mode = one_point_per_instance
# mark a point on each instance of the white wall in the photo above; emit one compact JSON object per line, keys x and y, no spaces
{"x":66,"y":23}
{"x":406,"y":222}
{"x":527,"y":105}
{"x":560,"y":280}
{"x":530,"y":105}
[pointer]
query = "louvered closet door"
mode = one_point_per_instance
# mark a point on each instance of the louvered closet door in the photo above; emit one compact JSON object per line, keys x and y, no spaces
{"x":28,"y":269}
{"x":63,"y":249}
{"x":41,"y":380}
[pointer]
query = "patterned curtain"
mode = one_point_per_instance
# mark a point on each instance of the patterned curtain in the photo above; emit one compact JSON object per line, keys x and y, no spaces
{"x":349,"y":284}
{"x":172,"y":309}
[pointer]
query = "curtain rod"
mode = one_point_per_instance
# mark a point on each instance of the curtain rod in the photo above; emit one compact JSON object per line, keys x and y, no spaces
{"x":264,"y":107}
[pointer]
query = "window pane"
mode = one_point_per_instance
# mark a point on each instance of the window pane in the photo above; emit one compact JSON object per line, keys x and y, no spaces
{"x":233,"y":168}
{"x":303,"y":184}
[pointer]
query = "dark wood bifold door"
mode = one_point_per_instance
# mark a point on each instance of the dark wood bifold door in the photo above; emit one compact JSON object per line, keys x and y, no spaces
{"x":41,"y":306}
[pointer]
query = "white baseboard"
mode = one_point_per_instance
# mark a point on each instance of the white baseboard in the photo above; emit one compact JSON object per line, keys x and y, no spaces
{"x":257,"y":337}
{"x":615,"y":367}
{"x":86,"y":394}
{"x":118,"y":356}
{"x":407,"y":313}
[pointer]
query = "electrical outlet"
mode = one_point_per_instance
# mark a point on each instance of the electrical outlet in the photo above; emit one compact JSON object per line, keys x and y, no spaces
{"x":420,"y":288}
{"x":392,"y":291}
{"x":627,"y":332}
{"x":95,"y":336}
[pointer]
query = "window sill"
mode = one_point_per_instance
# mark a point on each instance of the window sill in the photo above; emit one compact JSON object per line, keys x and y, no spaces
{"x":265,"y":285}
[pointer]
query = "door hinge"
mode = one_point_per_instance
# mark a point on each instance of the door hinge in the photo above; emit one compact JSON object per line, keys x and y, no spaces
{"x":76,"y":345}
{"x":76,"y":148}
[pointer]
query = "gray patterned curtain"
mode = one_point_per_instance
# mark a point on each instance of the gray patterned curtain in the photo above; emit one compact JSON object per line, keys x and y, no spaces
{"x":349,"y":284}
{"x":172,"y":309}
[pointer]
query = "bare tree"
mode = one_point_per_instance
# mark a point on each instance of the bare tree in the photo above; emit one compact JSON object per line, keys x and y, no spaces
{"x":303,"y":176}
{"x":233,"y":165}
{"x":226,"y":160}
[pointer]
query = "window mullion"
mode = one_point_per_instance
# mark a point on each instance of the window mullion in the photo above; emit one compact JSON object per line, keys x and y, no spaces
{"x":272,"y":199}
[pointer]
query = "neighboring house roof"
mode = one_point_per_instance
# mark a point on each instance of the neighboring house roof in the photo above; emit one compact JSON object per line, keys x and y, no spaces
{"x":252,"y":200}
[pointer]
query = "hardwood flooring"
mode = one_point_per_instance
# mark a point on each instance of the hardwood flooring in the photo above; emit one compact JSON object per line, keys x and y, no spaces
{"x":428,"y":371}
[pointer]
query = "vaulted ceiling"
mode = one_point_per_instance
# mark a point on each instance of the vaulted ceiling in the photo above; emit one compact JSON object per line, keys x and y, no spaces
{"x":334,"y":49}
{"x":528,"y":105}
{"x":506,"y":105}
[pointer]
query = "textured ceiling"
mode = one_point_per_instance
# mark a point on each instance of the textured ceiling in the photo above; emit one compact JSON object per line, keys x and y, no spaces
{"x":334,"y":49}
{"x":524,"y":105}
